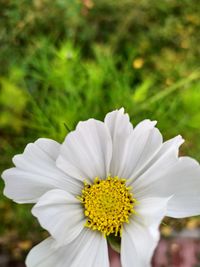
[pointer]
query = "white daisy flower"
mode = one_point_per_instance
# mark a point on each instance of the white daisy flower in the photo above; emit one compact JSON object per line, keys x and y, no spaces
{"x":108,"y":182}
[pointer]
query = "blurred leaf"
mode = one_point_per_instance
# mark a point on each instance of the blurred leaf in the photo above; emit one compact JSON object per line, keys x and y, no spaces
{"x":142,"y":90}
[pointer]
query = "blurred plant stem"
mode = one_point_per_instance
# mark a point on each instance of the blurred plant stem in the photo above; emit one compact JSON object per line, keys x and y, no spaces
{"x":167,"y":91}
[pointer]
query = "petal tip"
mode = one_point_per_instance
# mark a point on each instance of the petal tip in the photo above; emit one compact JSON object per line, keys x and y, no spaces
{"x":122,"y":110}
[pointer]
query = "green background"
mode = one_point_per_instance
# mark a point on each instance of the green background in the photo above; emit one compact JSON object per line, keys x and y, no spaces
{"x":66,"y":61}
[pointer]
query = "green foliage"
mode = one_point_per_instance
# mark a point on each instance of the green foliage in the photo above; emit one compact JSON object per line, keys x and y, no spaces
{"x":11,"y":114}
{"x":58,"y":86}
{"x":66,"y":61}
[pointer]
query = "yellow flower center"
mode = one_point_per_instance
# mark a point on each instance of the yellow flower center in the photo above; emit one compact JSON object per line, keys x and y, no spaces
{"x":108,"y":204}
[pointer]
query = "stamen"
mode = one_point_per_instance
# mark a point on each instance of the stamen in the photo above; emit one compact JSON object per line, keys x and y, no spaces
{"x":107,"y":204}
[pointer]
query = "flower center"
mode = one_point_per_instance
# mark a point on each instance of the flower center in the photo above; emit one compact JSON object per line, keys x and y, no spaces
{"x":108,"y":204}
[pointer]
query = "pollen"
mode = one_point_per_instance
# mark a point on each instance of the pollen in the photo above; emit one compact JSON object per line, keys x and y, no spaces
{"x":107,"y":204}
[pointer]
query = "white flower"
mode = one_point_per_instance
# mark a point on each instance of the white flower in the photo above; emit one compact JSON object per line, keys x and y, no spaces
{"x":107,"y":179}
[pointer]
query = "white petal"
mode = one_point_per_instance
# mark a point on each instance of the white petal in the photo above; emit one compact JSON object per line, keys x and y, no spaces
{"x":162,"y":161}
{"x":120,"y":128}
{"x":140,"y":147}
{"x":141,"y":236}
{"x":184,"y":183}
{"x":167,"y":152}
{"x":170,"y":175}
{"x":137,"y":246}
{"x":36,"y":173}
{"x":151,"y":210}
{"x":61,"y":214}
{"x":86,"y":152}
{"x":87,"y":250}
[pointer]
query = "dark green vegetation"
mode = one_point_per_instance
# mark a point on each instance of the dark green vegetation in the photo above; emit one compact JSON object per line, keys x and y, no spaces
{"x":63,"y":61}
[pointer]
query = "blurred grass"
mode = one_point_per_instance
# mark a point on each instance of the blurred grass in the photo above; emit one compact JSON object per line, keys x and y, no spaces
{"x":62,"y":62}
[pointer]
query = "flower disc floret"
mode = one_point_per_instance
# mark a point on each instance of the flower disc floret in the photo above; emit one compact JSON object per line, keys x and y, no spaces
{"x":108,"y":204}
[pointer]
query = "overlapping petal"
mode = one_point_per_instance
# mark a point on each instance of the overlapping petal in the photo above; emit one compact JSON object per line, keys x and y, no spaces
{"x":86,"y":152}
{"x":143,"y":143}
{"x":61,"y":214}
{"x":36,"y":173}
{"x":141,"y":235}
{"x":88,"y":249}
{"x":182,"y":180}
{"x":120,"y":128}
{"x":169,"y":175}
{"x":165,"y":158}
